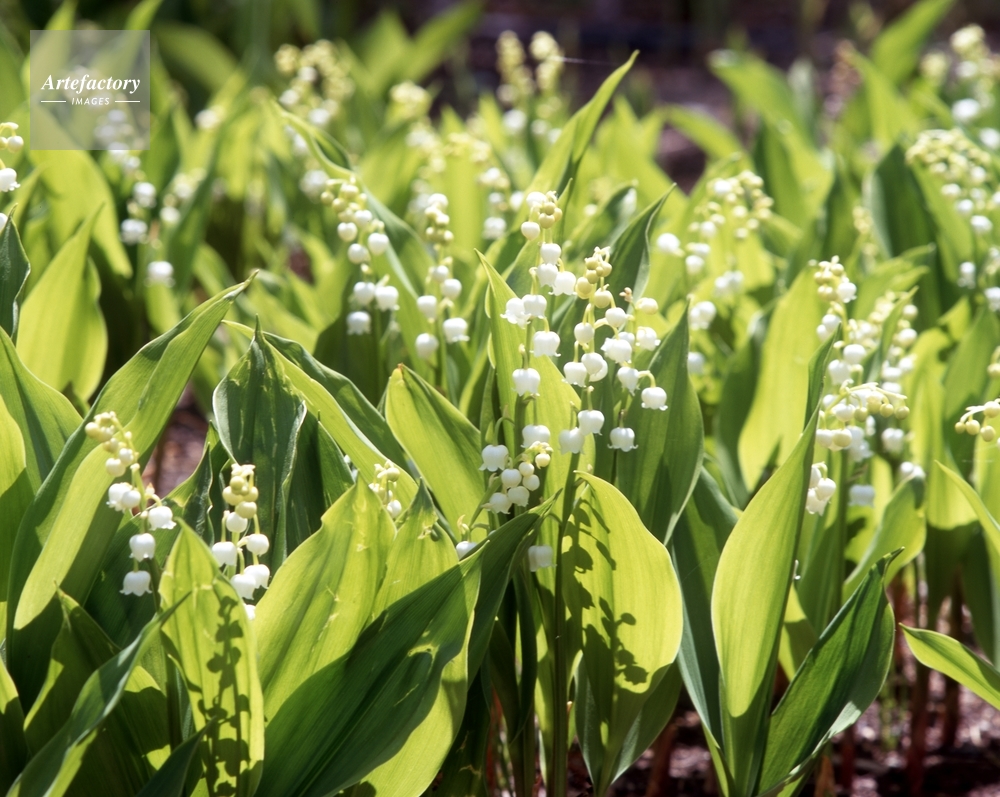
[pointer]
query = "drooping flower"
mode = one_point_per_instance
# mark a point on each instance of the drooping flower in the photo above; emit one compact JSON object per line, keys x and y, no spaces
{"x":136,"y":583}
{"x":142,"y":546}
{"x":494,"y":457}
{"x":623,"y":438}
{"x":654,"y":398}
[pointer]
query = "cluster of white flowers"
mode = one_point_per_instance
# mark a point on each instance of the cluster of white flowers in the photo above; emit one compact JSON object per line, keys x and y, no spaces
{"x":126,"y":496}
{"x":12,"y":142}
{"x":319,"y":81}
{"x":498,"y":184}
{"x":733,"y":207}
{"x":242,"y":495}
{"x":407,"y":102}
{"x":964,"y":171}
{"x":513,"y":479}
{"x":821,"y":489}
{"x":517,"y":89}
{"x":975,"y":75}
{"x":385,"y":477}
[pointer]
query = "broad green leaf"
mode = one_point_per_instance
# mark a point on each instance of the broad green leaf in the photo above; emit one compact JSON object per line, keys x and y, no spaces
{"x":990,"y":526}
{"x":709,"y":135}
{"x":323,"y":596}
{"x":696,"y":545}
{"x":74,"y":185}
{"x":259,"y":416}
{"x":838,"y":680}
{"x":436,"y":38}
{"x":61,"y":541}
{"x":419,"y":554}
{"x":195,"y":54}
{"x":779,"y":401}
{"x":170,"y":779}
{"x":14,"y":269}
{"x":660,"y":474}
{"x":356,"y":713}
{"x":747,"y":613}
{"x":949,"y":656}
{"x":13,"y":749}
{"x":898,"y":212}
{"x":209,"y":639}
{"x":624,"y":595}
{"x":16,"y":493}
{"x":902,"y":526}
{"x":62,"y":336}
{"x":630,"y":252}
{"x":51,"y":771}
{"x":439,"y":440}
{"x":889,"y":115}
{"x":897,"y":49}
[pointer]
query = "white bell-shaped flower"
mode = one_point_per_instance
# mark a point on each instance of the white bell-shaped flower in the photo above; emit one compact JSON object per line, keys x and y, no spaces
{"x":519,"y":495}
{"x":464,"y":548}
{"x":547,"y":273}
{"x":529,"y":229}
{"x":654,"y":398}
{"x":629,"y":377}
{"x":839,"y":371}
{"x":359,"y":323}
{"x":590,"y":421}
{"x":893,"y":440}
{"x":347,"y":231}
{"x":551,"y":252}
{"x":455,"y":330}
{"x":136,"y":583}
{"x":617,"y":349}
{"x":244,"y":584}
{"x":115,"y":467}
{"x":427,"y":305}
{"x":510,"y":477}
{"x":861,"y":495}
{"x":251,"y":611}
{"x":853,"y":353}
{"x":122,"y":497}
{"x":161,"y":517}
{"x":571,"y":441}
{"x":259,"y":573}
{"x":225,"y":553}
{"x":583,"y":333}
{"x":451,"y":288}
{"x":526,"y":381}
{"x":545,"y":343}
{"x":515,"y":312}
{"x":696,"y":363}
{"x":575,"y":374}
{"x":499,"y":503}
{"x":378,"y":243}
{"x":358,"y":253}
{"x":143,"y":546}
{"x":235,"y":523}
{"x":364,"y":293}
{"x":623,"y":438}
{"x":426,"y":345}
{"x":387,"y":297}
{"x":669,"y":244}
{"x":494,"y":458}
{"x":596,"y":365}
{"x":531,"y":482}
{"x":440,"y":273}
{"x":825,"y":489}
{"x":394,"y":508}
{"x":539,"y":556}
{"x":534,"y":305}
{"x":616,"y":316}
{"x":646,"y":339}
{"x":565,"y":284}
{"x":160,"y":272}
{"x":814,"y":504}
{"x":535,"y":434}
{"x":702,"y":315}
{"x":257,"y":544}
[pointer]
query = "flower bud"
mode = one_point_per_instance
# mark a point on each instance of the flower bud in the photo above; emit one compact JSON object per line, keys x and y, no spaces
{"x":647,"y":306}
{"x":394,"y":508}
{"x":347,"y":231}
{"x":526,"y":381}
{"x":257,"y":544}
{"x":464,"y":548}
{"x":535,"y":434}
{"x":358,"y":254}
{"x":584,"y":333}
{"x":378,"y":243}
{"x":428,"y":306}
{"x":510,"y":477}
{"x":426,"y":345}
{"x":246,"y":509}
{"x":669,"y":244}
{"x":529,"y":229}
{"x":531,"y":482}
{"x":602,"y":298}
{"x":854,"y":353}
{"x":235,"y":523}
{"x":542,"y":459}
{"x":115,"y":467}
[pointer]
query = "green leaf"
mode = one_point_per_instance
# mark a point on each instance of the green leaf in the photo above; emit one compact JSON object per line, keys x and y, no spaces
{"x":195,"y":54}
{"x":901,"y":221}
{"x":779,"y":402}
{"x":170,"y":779}
{"x":903,"y":526}
{"x":62,"y":336}
{"x":74,"y":185}
{"x":13,"y":749}
{"x":259,"y":416}
{"x":990,"y":526}
{"x":208,"y":637}
{"x":838,"y":680}
{"x":357,"y":712}
{"x":949,"y":656}
{"x":439,"y":440}
{"x":437,"y":38}
{"x":419,"y":554}
{"x":323,"y":596}
{"x":660,"y":474}
{"x":62,"y":539}
{"x":14,"y":269}
{"x":889,"y":114}
{"x":51,"y":771}
{"x":747,"y":613}
{"x":709,"y":135}
{"x":896,"y":51}
{"x":625,"y":597}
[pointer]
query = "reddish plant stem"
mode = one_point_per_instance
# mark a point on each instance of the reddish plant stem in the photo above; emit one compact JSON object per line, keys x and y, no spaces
{"x":660,"y":783}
